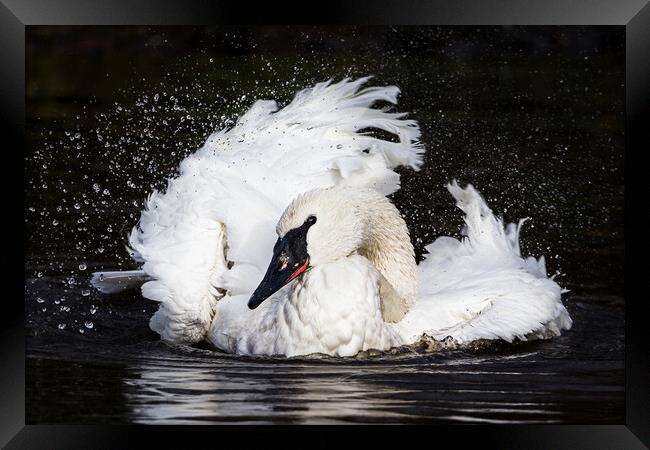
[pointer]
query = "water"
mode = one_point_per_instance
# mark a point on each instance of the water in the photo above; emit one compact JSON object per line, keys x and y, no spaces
{"x":533,"y":117}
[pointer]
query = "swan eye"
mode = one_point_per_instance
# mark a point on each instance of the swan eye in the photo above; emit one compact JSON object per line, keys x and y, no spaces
{"x":311,"y":220}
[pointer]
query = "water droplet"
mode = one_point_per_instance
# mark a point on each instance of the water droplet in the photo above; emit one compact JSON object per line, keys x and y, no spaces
{"x":156,"y":97}
{"x":85,"y":293}
{"x":89,"y":325}
{"x":83,"y":266}
{"x":93,"y":309}
{"x":77,"y":206}
{"x":61,"y":326}
{"x":55,"y":222}
{"x":39,"y":300}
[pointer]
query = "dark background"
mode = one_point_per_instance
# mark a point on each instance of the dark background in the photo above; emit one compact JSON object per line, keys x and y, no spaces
{"x":532,"y":116}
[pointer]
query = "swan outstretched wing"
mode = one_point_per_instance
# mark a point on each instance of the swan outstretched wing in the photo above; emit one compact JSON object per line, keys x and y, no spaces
{"x":211,"y":232}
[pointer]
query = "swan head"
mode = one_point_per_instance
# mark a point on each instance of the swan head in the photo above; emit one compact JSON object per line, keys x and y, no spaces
{"x":318,"y":227}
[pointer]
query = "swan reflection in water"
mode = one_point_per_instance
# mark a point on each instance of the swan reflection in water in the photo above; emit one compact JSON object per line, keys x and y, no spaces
{"x":390,"y":389}
{"x":281,"y":393}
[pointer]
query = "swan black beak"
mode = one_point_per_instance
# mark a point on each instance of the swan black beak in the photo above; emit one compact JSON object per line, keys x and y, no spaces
{"x":275,"y":279}
{"x":290,"y":260}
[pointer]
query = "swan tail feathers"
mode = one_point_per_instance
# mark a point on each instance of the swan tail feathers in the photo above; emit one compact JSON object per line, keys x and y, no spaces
{"x":480,"y":287}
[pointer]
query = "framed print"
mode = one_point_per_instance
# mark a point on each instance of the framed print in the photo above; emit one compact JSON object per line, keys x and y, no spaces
{"x":395,"y":215}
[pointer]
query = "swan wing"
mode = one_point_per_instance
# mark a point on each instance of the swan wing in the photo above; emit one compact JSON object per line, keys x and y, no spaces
{"x":211,"y":232}
{"x":480,"y":287}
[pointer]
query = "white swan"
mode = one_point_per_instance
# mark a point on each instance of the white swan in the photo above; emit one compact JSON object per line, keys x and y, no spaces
{"x":342,"y":276}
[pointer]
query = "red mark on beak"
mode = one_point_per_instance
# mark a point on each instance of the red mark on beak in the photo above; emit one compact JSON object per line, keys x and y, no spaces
{"x":300,"y":270}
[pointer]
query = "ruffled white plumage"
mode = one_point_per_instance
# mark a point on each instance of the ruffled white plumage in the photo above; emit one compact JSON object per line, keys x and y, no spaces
{"x":333,"y":309}
{"x":206,"y":241}
{"x":480,"y":287}
{"x":476,"y":288}
{"x":211,"y":232}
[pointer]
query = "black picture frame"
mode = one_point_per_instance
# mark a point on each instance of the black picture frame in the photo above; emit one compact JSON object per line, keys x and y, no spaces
{"x":15,"y":15}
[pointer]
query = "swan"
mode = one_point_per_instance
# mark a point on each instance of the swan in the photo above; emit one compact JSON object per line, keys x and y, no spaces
{"x":277,"y":238}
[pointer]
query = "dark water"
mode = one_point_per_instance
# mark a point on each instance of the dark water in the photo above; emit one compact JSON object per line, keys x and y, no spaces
{"x":533,"y":117}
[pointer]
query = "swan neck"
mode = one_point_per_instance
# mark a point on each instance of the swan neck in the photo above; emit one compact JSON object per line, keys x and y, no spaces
{"x":387,"y":245}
